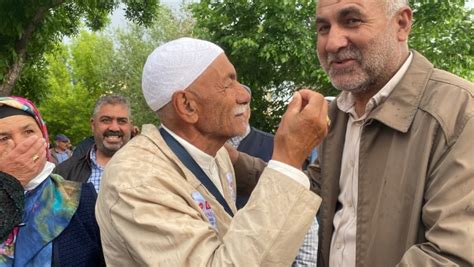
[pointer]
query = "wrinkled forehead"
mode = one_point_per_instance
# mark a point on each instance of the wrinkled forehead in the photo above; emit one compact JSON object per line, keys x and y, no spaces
{"x":325,"y":3}
{"x":327,"y":9}
{"x":336,"y":4}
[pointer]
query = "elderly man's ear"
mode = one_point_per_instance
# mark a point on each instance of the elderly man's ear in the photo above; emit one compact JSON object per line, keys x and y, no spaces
{"x":185,"y":106}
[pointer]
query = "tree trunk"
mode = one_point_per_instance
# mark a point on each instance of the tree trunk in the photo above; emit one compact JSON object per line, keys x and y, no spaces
{"x":11,"y":77}
{"x":21,"y":45}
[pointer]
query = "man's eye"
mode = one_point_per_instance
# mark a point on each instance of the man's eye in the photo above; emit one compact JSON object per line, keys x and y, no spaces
{"x":353,"y":22}
{"x":323,"y":29}
{"x":105,"y":120}
{"x":3,"y":139}
{"x":122,"y":121}
{"x":227,"y":85}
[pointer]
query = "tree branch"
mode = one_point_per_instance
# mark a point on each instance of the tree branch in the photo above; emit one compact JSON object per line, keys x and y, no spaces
{"x":21,"y":47}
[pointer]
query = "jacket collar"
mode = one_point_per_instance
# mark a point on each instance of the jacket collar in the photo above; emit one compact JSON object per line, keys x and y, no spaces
{"x":152,"y":133}
{"x":399,"y":109}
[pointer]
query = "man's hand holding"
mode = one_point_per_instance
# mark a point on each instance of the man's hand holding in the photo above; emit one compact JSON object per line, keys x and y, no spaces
{"x":303,"y":126}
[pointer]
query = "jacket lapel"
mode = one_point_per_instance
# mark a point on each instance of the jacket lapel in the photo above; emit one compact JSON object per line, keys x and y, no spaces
{"x":331,"y":149}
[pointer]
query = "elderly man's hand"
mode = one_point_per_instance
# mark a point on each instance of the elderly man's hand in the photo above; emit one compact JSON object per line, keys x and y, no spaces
{"x":303,"y":126}
{"x":25,"y":160}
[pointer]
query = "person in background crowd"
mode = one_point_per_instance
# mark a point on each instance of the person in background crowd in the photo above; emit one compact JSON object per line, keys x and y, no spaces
{"x":178,"y":182}
{"x":112,"y":126}
{"x":44,"y":219}
{"x":396,"y":169}
{"x":60,"y":152}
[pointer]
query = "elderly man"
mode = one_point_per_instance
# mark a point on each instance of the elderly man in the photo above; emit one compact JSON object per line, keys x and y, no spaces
{"x":111,"y":125}
{"x":396,"y":170}
{"x":167,"y":198}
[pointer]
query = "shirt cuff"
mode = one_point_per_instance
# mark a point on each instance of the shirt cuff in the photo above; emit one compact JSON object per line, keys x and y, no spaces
{"x":290,"y":171}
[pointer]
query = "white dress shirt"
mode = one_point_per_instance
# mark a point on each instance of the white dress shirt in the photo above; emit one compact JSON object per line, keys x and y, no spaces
{"x":343,"y":243}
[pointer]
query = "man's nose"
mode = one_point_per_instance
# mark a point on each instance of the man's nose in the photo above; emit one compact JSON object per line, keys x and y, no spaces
{"x":336,"y":39}
{"x":114,"y":126}
{"x":243,"y":96}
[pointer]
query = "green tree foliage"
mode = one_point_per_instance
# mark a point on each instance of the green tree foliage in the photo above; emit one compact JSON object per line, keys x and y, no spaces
{"x":77,"y":75}
{"x":92,"y":62}
{"x":272,"y":45}
{"x":28,"y":28}
{"x":95,"y":64}
{"x":133,"y":45}
{"x":444,"y":32}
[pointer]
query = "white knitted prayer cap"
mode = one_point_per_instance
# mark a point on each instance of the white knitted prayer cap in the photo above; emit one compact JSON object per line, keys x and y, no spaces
{"x":173,"y":66}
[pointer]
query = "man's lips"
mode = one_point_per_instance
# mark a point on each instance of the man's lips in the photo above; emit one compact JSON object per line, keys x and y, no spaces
{"x":113,"y":138}
{"x":339,"y":64}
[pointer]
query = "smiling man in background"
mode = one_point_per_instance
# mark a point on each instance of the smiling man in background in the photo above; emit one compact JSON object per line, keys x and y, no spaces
{"x":111,"y":125}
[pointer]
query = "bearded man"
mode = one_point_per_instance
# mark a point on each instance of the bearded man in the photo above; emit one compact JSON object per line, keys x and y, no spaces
{"x":396,"y":169}
{"x":112,"y":126}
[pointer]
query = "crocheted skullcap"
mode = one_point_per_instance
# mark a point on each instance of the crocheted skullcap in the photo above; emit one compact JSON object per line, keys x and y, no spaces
{"x":173,"y":66}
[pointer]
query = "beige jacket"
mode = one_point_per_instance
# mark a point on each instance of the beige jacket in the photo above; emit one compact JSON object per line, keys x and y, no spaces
{"x":416,"y":174}
{"x":149,"y":214}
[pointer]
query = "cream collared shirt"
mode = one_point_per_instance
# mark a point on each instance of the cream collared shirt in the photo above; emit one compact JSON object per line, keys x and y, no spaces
{"x":209,"y":164}
{"x":343,"y":243}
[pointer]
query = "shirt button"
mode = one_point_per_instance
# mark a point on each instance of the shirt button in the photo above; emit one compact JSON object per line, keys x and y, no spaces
{"x":351,"y":162}
{"x":338,"y":245}
{"x":349,"y":204}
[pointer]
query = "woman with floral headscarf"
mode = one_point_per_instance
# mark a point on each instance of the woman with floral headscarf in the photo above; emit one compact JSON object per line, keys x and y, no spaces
{"x":44,"y":220}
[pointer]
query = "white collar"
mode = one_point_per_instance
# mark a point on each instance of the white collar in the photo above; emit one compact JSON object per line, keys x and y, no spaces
{"x":203,"y":159}
{"x":47,"y":170}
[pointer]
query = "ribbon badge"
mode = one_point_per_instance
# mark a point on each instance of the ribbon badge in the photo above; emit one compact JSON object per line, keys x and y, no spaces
{"x":205,"y":206}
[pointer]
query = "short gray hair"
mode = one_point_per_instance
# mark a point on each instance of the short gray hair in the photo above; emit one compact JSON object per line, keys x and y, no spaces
{"x":111,"y":100}
{"x":392,"y":6}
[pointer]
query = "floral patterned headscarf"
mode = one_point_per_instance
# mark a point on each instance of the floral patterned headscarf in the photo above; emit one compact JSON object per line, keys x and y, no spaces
{"x":48,"y":209}
{"x":28,"y":107}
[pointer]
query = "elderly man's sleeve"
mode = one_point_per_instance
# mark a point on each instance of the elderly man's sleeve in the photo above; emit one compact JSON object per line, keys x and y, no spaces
{"x":448,"y":212}
{"x":159,"y":228}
